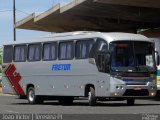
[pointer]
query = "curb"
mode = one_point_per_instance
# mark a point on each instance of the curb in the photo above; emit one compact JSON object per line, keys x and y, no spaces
{"x":1,"y":94}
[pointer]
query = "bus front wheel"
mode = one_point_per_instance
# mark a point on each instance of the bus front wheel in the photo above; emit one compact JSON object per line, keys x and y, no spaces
{"x":91,"y":96}
{"x":32,"y":98}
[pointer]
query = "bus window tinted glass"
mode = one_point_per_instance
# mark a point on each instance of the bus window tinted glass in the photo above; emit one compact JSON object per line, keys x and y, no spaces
{"x":132,"y":56}
{"x":66,"y":50}
{"x":50,"y":51}
{"x":20,"y":53}
{"x":34,"y":52}
{"x":83,"y":48}
{"x":8,"y":54}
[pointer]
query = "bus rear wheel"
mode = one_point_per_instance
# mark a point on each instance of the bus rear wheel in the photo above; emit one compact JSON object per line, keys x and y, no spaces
{"x":130,"y":102}
{"x":66,"y":100}
{"x":91,"y":96}
{"x":32,"y":98}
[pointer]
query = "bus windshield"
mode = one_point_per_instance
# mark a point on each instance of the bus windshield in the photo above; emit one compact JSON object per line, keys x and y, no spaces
{"x":132,"y":56}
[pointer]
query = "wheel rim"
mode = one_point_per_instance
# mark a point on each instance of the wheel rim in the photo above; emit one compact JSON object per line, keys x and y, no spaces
{"x":89,"y":95}
{"x":31,"y":95}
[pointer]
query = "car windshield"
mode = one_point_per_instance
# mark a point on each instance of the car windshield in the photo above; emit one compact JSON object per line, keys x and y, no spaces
{"x":132,"y":56}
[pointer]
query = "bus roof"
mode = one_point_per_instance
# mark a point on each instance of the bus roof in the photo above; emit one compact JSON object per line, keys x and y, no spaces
{"x":111,"y":36}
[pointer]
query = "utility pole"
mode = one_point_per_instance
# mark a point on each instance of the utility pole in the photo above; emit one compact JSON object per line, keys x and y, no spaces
{"x":14,"y":20}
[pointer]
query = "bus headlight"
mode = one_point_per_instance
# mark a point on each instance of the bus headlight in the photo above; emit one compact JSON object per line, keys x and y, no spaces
{"x":119,"y":87}
{"x":153,"y":87}
{"x":152,"y":93}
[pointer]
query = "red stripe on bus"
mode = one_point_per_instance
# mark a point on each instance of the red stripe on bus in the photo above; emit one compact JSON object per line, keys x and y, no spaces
{"x":136,"y":77}
{"x":15,"y":78}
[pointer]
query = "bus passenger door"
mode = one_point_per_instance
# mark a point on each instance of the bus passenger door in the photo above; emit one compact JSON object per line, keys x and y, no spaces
{"x":103,"y":78}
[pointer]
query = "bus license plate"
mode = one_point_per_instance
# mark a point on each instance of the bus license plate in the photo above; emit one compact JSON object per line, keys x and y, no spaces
{"x":137,"y":88}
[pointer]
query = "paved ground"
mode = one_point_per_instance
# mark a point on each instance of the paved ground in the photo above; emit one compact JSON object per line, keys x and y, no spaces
{"x":11,"y":104}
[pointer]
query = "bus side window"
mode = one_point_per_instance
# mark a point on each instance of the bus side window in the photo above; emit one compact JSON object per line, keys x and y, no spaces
{"x":66,"y":50}
{"x":34,"y":52}
{"x":83,"y":48}
{"x":20,"y":53}
{"x":8,"y":54}
{"x":49,"y":51}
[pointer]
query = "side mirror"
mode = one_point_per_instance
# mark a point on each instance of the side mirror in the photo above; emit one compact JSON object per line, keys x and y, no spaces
{"x":103,"y":61}
{"x":108,"y":56}
{"x":157,"y":58}
{"x":104,"y":48}
{"x":105,"y":56}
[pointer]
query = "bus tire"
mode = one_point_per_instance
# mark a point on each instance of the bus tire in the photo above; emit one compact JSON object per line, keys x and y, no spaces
{"x":32,"y":98}
{"x":91,"y":96}
{"x":130,"y":102}
{"x":66,"y":100}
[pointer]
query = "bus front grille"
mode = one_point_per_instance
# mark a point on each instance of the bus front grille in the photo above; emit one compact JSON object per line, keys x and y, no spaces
{"x":136,"y":83}
{"x":143,"y":92}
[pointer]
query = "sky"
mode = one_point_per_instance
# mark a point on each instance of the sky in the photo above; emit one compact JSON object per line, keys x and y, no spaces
{"x":23,"y":9}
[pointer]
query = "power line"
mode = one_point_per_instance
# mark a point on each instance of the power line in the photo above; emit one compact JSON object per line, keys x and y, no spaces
{"x":14,"y":20}
{"x":5,"y":10}
{"x":22,"y":12}
{"x":16,"y":10}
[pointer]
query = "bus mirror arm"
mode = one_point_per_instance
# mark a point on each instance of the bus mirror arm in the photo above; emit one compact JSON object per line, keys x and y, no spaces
{"x":157,"y":57}
{"x":107,"y":58}
{"x":103,"y":61}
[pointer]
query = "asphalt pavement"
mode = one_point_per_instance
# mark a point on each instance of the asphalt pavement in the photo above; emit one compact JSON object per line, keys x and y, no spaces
{"x":80,"y":108}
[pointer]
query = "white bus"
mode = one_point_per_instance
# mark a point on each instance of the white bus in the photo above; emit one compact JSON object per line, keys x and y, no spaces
{"x":99,"y":66}
{"x":157,"y":48}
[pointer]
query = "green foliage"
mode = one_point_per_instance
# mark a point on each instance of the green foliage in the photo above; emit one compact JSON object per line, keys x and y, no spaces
{"x":0,"y":57}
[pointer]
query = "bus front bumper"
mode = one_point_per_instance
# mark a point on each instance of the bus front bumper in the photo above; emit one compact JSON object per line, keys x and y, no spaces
{"x":133,"y":91}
